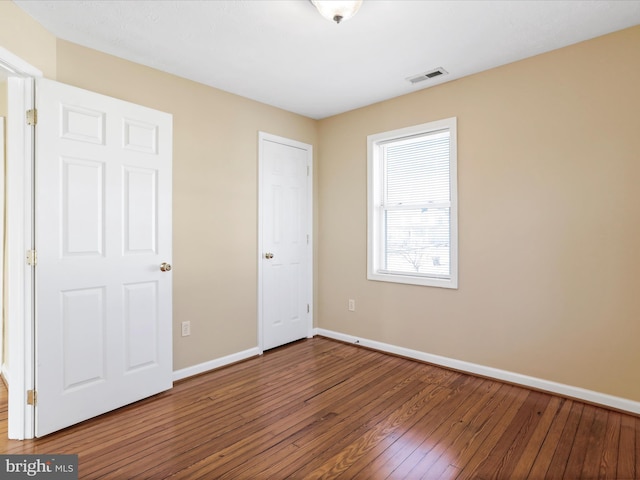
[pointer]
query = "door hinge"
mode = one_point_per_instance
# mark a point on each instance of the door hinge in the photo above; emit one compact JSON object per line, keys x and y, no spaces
{"x":308,"y":309}
{"x":32,"y":117}
{"x":32,"y":258}
{"x":307,"y":170}
{"x":32,"y":397}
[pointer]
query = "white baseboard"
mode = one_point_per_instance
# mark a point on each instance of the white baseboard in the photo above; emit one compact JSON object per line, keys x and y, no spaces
{"x":578,"y":393}
{"x":213,"y":364}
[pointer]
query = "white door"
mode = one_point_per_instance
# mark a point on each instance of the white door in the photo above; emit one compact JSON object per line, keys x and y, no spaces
{"x":285,"y":250}
{"x":102,"y":231}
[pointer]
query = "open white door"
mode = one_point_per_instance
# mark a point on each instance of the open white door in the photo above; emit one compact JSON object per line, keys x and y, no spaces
{"x":102,"y":230}
{"x":285,"y":231}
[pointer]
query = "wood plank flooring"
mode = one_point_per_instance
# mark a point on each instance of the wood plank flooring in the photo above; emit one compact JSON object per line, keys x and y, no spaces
{"x":323,"y":409}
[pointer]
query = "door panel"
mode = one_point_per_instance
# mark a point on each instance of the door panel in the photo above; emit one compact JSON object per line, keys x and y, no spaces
{"x":141,"y":316}
{"x":103,"y":227}
{"x":83,"y":341}
{"x":141,"y":211}
{"x":286,"y":229}
{"x":82,"y":124}
{"x":83,"y":198}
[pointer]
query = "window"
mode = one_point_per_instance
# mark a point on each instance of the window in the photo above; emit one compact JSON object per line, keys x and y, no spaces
{"x":412,"y":231}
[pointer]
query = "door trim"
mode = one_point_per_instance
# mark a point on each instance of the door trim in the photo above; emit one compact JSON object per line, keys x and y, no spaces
{"x":19,"y":221}
{"x":262,"y":136}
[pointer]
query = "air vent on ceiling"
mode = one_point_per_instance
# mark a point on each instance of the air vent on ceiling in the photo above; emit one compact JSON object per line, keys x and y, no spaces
{"x":421,"y":77}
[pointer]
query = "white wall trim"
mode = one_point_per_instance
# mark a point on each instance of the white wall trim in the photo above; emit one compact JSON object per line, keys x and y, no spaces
{"x":19,"y":214}
{"x":213,"y":364}
{"x":16,"y":65}
{"x":578,"y":393}
{"x":2,"y":232}
{"x":19,"y":196}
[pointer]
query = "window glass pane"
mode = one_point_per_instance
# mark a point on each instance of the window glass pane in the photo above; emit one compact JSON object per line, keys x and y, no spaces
{"x":417,"y":170}
{"x":417,"y":241}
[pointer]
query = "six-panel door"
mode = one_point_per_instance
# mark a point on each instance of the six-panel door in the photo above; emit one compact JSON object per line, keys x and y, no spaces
{"x":103,"y":228}
{"x":285,"y":246}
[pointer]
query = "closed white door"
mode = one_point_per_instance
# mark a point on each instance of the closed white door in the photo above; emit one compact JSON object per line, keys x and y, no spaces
{"x":102,"y":231}
{"x":286,"y":250}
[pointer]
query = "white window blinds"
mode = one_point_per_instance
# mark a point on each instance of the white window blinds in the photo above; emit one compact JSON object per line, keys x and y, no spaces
{"x":416,"y":206}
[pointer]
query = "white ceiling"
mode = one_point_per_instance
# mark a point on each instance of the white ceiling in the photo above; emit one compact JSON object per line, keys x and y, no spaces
{"x":285,"y":54}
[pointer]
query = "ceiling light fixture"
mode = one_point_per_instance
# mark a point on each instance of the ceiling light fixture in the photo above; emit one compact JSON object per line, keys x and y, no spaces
{"x":337,"y":10}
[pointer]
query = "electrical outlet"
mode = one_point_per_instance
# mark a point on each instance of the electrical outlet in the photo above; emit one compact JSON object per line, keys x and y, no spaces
{"x":352,"y":305}
{"x":186,"y":329}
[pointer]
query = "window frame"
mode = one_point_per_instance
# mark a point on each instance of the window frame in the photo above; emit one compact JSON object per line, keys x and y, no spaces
{"x":375,"y":211}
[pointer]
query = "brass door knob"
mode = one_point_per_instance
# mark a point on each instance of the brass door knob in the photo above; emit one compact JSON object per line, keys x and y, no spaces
{"x":268,"y":256}
{"x":165,"y":267}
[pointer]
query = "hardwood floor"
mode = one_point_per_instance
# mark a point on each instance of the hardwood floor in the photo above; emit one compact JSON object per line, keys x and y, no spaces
{"x":322,"y":409}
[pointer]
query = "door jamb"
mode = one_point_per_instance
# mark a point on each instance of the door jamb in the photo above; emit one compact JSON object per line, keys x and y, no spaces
{"x":309,"y":148}
{"x":20,"y":318}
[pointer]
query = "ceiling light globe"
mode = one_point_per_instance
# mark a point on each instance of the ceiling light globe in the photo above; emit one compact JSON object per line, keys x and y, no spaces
{"x":337,"y":10}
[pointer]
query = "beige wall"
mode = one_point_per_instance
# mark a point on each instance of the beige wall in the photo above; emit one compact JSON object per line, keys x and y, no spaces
{"x":26,"y":38}
{"x":215,"y":187}
{"x":549,"y":220}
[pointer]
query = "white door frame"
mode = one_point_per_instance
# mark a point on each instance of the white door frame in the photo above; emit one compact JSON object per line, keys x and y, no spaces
{"x":19,"y":221}
{"x":3,"y":122}
{"x":285,"y":141}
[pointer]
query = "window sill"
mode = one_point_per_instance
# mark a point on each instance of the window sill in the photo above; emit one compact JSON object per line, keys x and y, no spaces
{"x":414,"y":280}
